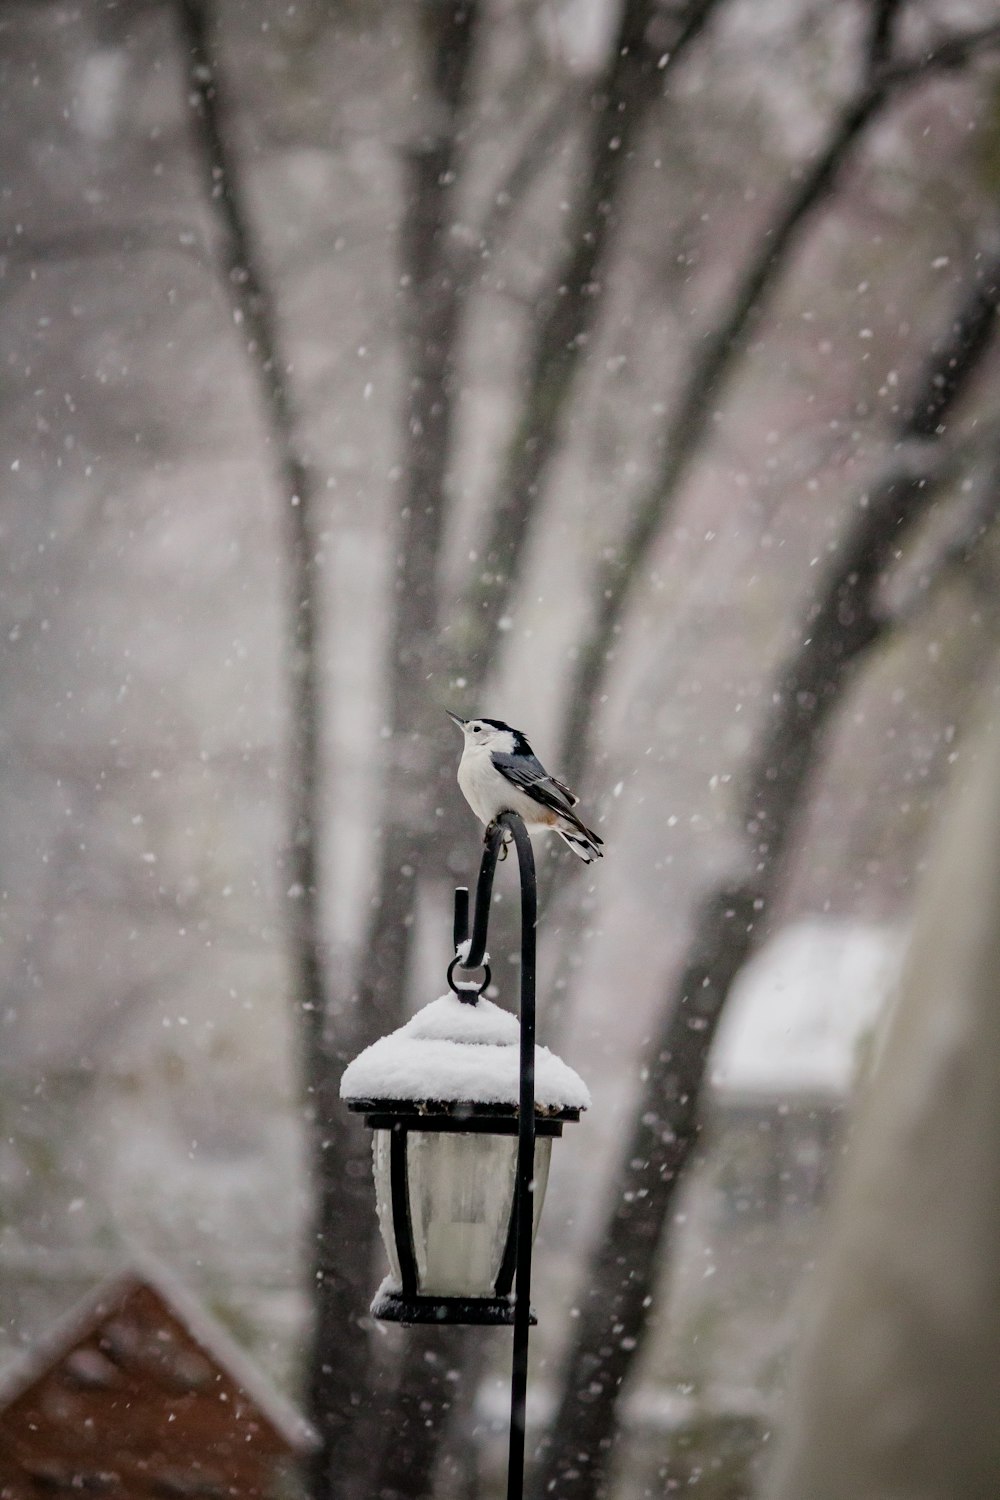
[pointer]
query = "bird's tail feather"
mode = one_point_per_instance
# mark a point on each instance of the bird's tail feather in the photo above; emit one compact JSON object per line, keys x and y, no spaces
{"x":584,"y":844}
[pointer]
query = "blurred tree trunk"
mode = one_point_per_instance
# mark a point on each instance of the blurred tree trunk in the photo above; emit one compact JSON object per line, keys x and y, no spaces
{"x":338,"y":1262}
{"x":434,"y":284}
{"x":841,"y":627}
{"x":434,"y":292}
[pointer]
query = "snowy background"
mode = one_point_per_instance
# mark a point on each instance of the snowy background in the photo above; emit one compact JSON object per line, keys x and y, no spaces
{"x":150,"y":1036}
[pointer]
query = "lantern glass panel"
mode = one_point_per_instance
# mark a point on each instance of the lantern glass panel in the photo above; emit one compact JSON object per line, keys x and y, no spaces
{"x":461,"y":1196}
{"x":461,"y":1193}
{"x":381,"y":1143}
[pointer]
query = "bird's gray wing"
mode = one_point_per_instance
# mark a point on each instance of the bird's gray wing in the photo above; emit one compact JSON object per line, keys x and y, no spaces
{"x":561,"y":786}
{"x":527,"y":773}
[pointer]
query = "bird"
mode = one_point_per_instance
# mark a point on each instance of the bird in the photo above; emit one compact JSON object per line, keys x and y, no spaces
{"x":499,"y":772}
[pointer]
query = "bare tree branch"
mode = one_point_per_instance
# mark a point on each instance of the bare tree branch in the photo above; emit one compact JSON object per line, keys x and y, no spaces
{"x":567,"y":313}
{"x":531,"y":160}
{"x":947,"y":55}
{"x":881,"y":24}
{"x":91,"y":241}
{"x":716,"y":362}
{"x":847,"y":619}
{"x":957,"y":554}
{"x":840,"y":629}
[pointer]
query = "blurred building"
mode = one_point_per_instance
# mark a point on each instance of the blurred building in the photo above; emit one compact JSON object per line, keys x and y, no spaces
{"x":798,"y":1028}
{"x":140,"y":1392}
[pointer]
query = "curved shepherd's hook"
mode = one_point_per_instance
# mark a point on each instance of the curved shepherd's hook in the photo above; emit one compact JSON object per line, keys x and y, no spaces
{"x":474,"y":958}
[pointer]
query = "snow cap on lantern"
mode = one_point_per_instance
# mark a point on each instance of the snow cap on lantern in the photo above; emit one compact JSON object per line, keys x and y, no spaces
{"x":452,"y":1052}
{"x":441,"y":1096}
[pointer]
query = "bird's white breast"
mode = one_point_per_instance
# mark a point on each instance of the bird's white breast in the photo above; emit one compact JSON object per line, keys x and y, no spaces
{"x":481,"y":783}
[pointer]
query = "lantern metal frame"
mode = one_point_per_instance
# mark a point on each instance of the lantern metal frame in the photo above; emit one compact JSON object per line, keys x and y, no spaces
{"x":399,"y":1117}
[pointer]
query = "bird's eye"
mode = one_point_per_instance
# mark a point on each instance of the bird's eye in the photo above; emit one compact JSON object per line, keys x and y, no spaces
{"x":477,"y":729}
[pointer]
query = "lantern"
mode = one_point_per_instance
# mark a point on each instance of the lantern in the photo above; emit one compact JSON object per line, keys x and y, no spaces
{"x":441,"y":1096}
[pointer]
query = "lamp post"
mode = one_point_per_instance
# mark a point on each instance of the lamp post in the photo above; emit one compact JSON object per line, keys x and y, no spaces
{"x":464,"y":1108}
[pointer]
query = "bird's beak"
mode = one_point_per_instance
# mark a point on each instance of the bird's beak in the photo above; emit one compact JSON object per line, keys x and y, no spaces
{"x":455,"y":719}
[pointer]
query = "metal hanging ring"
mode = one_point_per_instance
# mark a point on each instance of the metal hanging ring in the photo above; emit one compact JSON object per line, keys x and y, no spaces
{"x":467,"y":993}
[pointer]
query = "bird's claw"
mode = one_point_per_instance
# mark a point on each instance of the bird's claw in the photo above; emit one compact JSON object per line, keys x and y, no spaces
{"x":490,"y":831}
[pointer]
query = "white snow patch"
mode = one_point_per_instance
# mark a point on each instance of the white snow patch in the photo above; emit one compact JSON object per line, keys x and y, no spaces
{"x":449,"y":1051}
{"x":99,"y":90}
{"x":800,"y":1008}
{"x":448,"y":1020}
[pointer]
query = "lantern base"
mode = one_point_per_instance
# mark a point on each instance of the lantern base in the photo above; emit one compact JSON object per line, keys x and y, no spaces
{"x":394,"y":1307}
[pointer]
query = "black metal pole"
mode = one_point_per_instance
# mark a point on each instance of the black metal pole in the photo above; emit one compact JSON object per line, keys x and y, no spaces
{"x":524,"y":1200}
{"x":524,"y":1188}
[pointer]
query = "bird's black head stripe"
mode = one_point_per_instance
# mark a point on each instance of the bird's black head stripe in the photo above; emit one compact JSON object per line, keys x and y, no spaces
{"x":521,"y":746}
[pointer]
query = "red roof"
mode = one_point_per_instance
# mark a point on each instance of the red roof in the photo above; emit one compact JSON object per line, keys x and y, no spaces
{"x":141,"y":1392}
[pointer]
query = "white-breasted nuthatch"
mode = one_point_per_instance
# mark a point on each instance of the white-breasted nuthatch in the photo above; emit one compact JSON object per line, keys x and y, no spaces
{"x":499,"y":772}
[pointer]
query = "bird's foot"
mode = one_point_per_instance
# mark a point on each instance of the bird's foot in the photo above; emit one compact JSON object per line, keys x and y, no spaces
{"x":491,"y":829}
